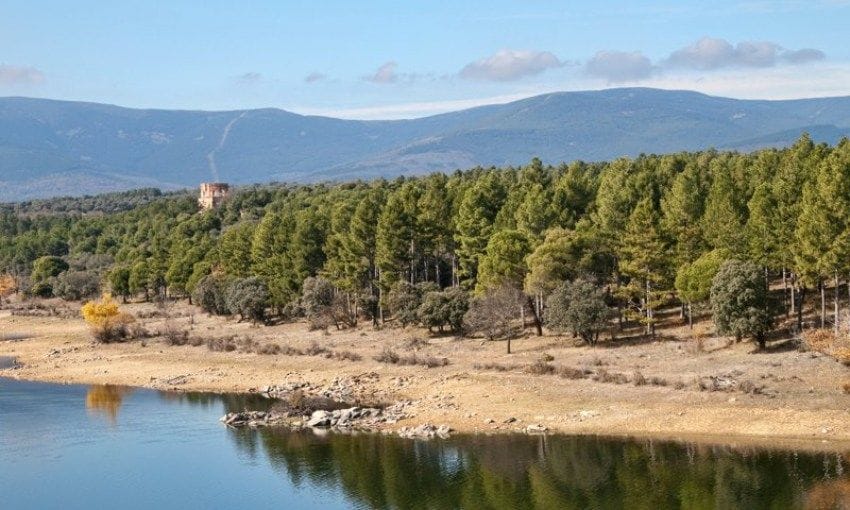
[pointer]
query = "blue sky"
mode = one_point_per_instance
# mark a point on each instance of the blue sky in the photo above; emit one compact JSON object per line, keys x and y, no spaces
{"x":394,"y":59}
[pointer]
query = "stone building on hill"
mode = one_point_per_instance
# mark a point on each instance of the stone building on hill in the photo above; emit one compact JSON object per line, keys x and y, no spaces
{"x":213,"y":194}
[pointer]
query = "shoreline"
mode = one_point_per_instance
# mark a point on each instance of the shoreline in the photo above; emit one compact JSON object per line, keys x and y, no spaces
{"x":731,"y":441}
{"x":800,"y":405}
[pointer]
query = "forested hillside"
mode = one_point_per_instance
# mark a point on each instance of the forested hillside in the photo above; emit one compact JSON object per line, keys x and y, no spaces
{"x":639,"y":230}
{"x":51,"y":148}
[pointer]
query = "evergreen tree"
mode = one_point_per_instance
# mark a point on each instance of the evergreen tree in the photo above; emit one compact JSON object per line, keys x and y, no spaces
{"x":644,"y":257}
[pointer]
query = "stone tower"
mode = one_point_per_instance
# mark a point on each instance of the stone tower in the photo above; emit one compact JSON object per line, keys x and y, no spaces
{"x":213,"y":194}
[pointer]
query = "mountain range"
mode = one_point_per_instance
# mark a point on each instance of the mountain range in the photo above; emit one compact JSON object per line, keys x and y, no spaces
{"x":52,"y":148}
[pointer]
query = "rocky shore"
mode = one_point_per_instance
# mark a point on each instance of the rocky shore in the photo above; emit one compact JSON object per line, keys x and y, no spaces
{"x":335,"y":406}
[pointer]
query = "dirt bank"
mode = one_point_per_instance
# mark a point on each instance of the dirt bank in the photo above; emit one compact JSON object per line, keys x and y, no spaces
{"x":666,"y":388}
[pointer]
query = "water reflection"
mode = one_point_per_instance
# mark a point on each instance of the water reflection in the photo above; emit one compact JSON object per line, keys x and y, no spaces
{"x":561,"y":472}
{"x":106,"y":399}
{"x":181,"y":451}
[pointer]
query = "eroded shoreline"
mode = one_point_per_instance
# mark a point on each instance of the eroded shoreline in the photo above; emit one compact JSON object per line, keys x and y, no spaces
{"x":803,"y":405}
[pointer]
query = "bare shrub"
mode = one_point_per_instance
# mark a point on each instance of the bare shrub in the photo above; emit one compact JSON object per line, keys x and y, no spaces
{"x":423,"y":361}
{"x":573,"y":373}
{"x":603,"y":375}
{"x":288,"y":350}
{"x":498,"y":367}
{"x":196,"y":341}
{"x":750,"y":387}
{"x":269,"y":349}
{"x":315,"y":350}
{"x":222,"y":344}
{"x":173,"y":335}
{"x":416,"y":343}
{"x":842,"y":354}
{"x":679,"y":385}
{"x":846,"y":388}
{"x":638,"y":378}
{"x":387,"y":355}
{"x":819,"y":340}
{"x":540,"y":367}
{"x":657,"y":381}
{"x":344,"y":356}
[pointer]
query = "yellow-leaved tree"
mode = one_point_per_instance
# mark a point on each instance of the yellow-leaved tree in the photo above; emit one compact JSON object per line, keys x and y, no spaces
{"x":8,"y":285}
{"x":108,"y":323}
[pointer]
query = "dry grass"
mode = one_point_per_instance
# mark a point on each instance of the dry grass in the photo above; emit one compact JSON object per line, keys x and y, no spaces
{"x":826,"y":342}
{"x":388,"y":355}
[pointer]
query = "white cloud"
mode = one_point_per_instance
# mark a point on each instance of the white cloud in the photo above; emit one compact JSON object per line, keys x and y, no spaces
{"x":711,"y":53}
{"x":620,"y":66}
{"x":20,"y":75}
{"x":384,"y":74}
{"x":802,"y":56}
{"x":509,"y":65}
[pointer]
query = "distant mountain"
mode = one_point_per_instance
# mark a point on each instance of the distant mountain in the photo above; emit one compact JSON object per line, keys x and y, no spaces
{"x":50,"y":148}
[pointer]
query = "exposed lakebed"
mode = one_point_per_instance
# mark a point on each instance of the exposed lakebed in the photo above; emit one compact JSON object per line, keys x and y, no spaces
{"x":99,"y":446}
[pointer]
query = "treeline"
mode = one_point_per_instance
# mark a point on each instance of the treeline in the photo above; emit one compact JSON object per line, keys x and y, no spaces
{"x":641,"y":230}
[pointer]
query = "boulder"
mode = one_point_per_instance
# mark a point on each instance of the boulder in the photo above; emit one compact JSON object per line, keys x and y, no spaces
{"x":320,"y":419}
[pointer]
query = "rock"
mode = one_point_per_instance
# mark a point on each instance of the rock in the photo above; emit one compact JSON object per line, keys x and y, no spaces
{"x":246,"y":418}
{"x":510,"y":420}
{"x":535,"y":429}
{"x":488,"y":421}
{"x":320,"y":419}
{"x":425,"y":431}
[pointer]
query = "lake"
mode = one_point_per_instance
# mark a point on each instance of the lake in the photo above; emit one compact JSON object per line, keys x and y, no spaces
{"x":113,"y":447}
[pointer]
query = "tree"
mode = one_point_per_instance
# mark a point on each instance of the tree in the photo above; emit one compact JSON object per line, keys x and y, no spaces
{"x":248,"y":297}
{"x":320,"y":303}
{"x":503,"y":262}
{"x":119,"y":282}
{"x":682,"y":208}
{"x":474,"y":222}
{"x":694,"y":280}
{"x":404,"y":300}
{"x":823,"y":228}
{"x":211,"y":294}
{"x":740,"y":302}
{"x":444,"y":308}
{"x":44,"y":271}
{"x":234,"y":249}
{"x":395,"y":241}
{"x":271,"y":257}
{"x":104,"y":317}
{"x":644,"y":257}
{"x":723,"y":223}
{"x":8,"y":285}
{"x":76,"y":285}
{"x":139,"y":279}
{"x":494,"y":314}
{"x":578,"y":306}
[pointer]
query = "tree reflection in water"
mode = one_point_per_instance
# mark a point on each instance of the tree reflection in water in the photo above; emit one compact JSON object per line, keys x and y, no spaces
{"x":546,"y":472}
{"x":106,"y":399}
{"x":558,"y":472}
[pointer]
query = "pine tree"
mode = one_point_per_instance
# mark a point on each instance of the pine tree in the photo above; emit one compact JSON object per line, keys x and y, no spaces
{"x":644,"y":257}
{"x":474,"y":224}
{"x":725,"y":211}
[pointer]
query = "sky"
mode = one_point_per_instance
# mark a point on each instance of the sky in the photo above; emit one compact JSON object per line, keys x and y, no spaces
{"x":403,"y":59}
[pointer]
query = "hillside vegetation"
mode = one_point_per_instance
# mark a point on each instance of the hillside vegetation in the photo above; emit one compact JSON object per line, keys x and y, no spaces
{"x":582,"y":247}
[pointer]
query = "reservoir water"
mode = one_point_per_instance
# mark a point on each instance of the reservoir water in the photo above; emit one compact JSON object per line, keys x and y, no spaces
{"x":84,"y":447}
